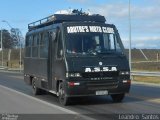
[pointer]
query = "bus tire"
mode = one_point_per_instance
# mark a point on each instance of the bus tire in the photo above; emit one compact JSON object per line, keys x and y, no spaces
{"x":118,"y":97}
{"x":63,"y":99}
{"x":35,"y":90}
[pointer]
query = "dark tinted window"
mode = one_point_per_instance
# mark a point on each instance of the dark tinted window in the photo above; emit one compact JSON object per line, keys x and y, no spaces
{"x":35,"y":45}
{"x":59,"y":46}
{"x":44,"y":38}
{"x":28,"y":46}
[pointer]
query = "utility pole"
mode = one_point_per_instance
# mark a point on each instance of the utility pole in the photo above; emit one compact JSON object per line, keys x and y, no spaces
{"x":130,"y":47}
{"x":2,"y":45}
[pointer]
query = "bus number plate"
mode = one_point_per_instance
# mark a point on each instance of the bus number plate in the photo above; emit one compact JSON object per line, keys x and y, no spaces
{"x":103,"y":92}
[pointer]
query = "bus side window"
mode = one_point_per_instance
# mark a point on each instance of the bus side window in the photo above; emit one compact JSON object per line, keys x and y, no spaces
{"x":59,"y":45}
{"x":44,"y":39}
{"x":28,"y":49}
{"x":106,"y":42}
{"x":59,"y":51}
{"x":35,"y":46}
{"x":112,"y":41}
{"x":117,"y":45}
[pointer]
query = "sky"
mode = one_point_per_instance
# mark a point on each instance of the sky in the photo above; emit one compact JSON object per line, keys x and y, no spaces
{"x":145,"y":16}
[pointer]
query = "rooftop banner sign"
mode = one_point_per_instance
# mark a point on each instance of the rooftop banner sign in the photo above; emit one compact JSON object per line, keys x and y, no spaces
{"x":85,"y":29}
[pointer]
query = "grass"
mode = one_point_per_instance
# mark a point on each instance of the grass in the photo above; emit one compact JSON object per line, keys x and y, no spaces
{"x":146,"y":66}
{"x":11,"y":64}
{"x":147,"y":79}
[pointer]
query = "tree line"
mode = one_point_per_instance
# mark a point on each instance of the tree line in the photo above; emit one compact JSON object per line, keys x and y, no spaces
{"x":11,"y":39}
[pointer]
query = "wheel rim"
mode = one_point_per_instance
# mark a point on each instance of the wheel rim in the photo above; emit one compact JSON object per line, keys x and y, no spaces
{"x":61,"y":94}
{"x":34,"y":85}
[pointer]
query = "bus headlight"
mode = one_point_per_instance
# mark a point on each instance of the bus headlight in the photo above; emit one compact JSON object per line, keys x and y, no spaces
{"x":73,"y":75}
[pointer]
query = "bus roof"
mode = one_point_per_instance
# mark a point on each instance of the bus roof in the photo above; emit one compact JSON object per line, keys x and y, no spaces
{"x":60,"y":18}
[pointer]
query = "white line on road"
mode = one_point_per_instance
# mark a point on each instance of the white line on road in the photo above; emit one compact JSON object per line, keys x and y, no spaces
{"x":48,"y":104}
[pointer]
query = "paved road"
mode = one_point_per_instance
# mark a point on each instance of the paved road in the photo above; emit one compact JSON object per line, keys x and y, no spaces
{"x":143,"y":73}
{"x":16,"y":97}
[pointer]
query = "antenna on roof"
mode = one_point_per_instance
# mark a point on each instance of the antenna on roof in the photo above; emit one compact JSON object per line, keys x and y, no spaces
{"x":70,"y":10}
{"x":89,"y":12}
{"x":81,"y":10}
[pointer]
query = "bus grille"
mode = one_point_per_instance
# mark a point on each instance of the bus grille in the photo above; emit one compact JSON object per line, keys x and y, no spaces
{"x":102,"y":85}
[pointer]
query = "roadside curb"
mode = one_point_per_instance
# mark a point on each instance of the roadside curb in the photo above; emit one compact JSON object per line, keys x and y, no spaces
{"x":11,"y":71}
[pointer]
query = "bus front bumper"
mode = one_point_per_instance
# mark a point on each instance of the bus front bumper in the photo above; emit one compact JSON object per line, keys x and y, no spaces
{"x":84,"y":88}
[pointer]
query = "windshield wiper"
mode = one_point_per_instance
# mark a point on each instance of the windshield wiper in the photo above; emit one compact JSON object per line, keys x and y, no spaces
{"x":106,"y":52}
{"x":111,"y":52}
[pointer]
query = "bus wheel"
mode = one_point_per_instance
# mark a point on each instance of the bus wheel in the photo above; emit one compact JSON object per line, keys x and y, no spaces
{"x":118,"y":97}
{"x":36,"y":91}
{"x":63,"y":99}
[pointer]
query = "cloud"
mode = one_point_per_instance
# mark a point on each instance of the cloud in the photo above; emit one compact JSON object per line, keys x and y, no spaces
{"x":79,"y":1}
{"x":143,"y":42}
{"x":145,"y":46}
{"x":120,"y":10}
{"x":143,"y":39}
{"x":111,"y":10}
{"x":154,"y":38}
{"x":147,"y":12}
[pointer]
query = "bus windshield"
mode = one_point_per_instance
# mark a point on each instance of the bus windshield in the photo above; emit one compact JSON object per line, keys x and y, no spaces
{"x":83,"y":41}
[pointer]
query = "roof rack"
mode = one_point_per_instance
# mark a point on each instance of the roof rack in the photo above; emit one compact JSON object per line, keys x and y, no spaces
{"x":59,"y":18}
{"x":35,"y":24}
